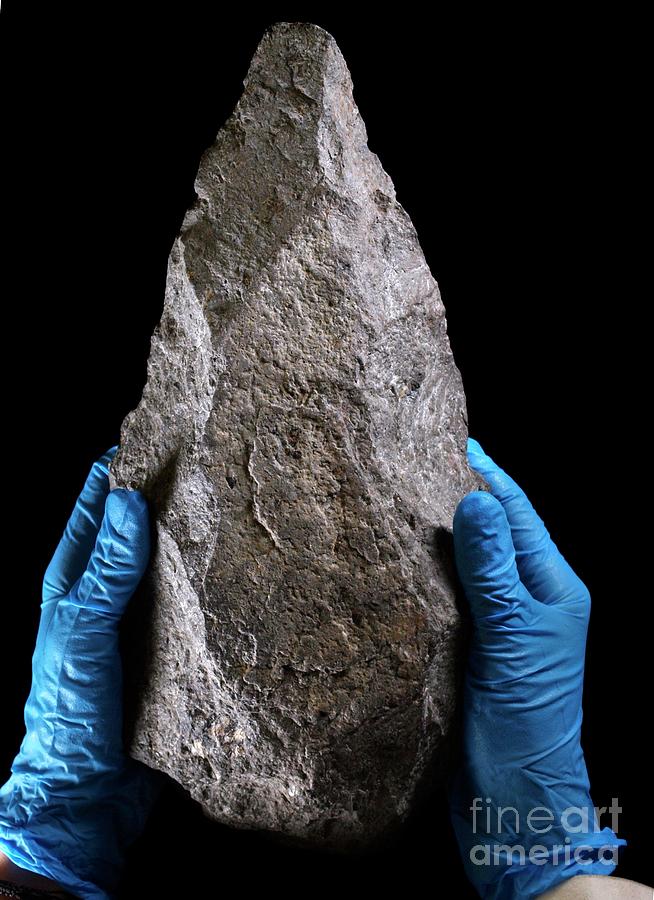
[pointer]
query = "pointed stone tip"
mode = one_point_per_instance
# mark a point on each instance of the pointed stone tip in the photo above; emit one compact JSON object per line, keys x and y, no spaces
{"x":298,"y":46}
{"x":297,"y":58}
{"x":298,"y":100}
{"x":312,"y":36}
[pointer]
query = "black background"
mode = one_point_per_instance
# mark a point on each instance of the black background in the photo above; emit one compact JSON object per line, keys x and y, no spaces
{"x":513,"y":143}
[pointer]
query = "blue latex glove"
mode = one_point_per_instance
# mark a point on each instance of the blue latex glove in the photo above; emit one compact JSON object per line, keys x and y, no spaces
{"x":522,"y":699}
{"x":74,"y":800}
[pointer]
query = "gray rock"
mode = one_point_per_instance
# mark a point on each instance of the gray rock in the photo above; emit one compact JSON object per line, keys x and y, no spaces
{"x":301,"y":438}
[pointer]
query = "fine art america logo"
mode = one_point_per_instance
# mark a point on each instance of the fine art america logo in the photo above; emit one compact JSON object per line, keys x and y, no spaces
{"x":547,"y":828}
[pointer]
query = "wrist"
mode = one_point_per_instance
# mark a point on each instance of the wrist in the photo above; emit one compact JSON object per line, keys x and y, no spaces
{"x":36,"y":838}
{"x":9,"y":871}
{"x":525,"y":850}
{"x":544,"y":867}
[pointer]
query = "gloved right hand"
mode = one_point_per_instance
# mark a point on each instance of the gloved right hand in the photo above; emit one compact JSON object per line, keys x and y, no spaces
{"x":75,"y":800}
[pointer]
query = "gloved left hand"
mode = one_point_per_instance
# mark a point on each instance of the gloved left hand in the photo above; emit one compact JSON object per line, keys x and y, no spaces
{"x":75,"y":800}
{"x":520,"y":802}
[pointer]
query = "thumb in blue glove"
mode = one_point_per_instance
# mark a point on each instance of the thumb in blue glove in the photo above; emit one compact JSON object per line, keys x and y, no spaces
{"x":520,"y":803}
{"x":75,"y":800}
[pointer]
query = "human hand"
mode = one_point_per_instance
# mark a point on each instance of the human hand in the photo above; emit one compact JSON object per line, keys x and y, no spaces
{"x":522,"y":702}
{"x":74,"y":800}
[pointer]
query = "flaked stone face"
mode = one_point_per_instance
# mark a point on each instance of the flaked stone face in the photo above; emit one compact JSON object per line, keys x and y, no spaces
{"x":301,"y":440}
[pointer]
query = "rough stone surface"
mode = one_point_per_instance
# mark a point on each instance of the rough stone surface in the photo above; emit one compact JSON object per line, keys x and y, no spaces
{"x":301,"y":438}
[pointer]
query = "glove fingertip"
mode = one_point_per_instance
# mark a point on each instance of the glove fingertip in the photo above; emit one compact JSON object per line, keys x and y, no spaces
{"x":478,"y":511}
{"x":480,"y":461}
{"x":101,"y":465}
{"x":474,"y":448}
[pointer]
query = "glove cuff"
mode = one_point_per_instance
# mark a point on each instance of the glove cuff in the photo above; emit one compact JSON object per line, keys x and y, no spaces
{"x":594,"y":853}
{"x":71,"y":842}
{"x":27,"y":853}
